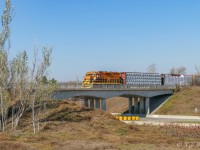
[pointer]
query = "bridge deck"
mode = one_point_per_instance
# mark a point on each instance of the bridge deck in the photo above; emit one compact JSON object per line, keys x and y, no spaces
{"x":114,"y":89}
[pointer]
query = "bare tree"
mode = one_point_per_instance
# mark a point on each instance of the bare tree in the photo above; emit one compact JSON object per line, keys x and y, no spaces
{"x":19,"y":83}
{"x":4,"y":68}
{"x":152,"y":68}
{"x":42,"y":90}
{"x":197,"y":69}
{"x":29,"y":84}
{"x":196,"y":77}
{"x":6,"y":19}
{"x":179,"y":70}
{"x":172,"y":70}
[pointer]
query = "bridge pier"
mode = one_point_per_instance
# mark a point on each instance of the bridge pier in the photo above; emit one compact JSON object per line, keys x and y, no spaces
{"x":97,"y":103}
{"x":103,"y":104}
{"x":130,"y":103}
{"x":86,"y":103}
{"x":142,"y":105}
{"x":147,"y":108}
{"x":92,"y":103}
{"x":135,"y":105}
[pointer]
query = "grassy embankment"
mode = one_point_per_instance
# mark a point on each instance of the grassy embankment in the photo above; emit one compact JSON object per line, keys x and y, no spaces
{"x":183,"y":102}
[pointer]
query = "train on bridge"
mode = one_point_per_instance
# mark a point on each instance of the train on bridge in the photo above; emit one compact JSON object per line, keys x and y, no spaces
{"x":137,"y":79}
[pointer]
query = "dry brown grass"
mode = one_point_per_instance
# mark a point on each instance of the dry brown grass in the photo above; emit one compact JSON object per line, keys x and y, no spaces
{"x":6,"y":145}
{"x":68,"y":126}
{"x":183,"y":102}
{"x":84,"y":145}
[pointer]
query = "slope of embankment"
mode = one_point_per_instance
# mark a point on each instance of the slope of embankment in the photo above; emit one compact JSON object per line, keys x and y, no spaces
{"x":185,"y":101}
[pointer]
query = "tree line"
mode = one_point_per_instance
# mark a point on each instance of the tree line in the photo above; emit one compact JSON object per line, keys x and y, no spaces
{"x":174,"y":70}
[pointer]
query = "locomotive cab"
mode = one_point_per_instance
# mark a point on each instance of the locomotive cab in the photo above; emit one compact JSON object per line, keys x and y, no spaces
{"x":96,"y":78}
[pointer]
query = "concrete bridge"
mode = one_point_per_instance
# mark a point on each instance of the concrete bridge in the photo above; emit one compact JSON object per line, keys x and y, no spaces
{"x":96,"y":98}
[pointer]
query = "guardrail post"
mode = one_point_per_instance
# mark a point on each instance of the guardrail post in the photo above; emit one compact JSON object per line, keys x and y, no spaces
{"x":130,"y":105}
{"x":92,"y":103}
{"x":135,"y":105}
{"x":103,"y":104}
{"x":85,"y":102}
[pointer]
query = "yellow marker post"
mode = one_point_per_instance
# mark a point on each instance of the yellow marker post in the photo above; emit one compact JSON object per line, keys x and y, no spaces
{"x":129,"y":118}
{"x":125,"y":118}
{"x":120,"y":118}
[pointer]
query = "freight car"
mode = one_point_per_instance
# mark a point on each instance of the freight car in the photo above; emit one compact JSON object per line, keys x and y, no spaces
{"x":176,"y":79}
{"x":136,"y":79}
{"x":131,"y":79}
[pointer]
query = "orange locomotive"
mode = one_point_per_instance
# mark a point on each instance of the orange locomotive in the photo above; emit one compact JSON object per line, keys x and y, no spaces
{"x":101,"y":77}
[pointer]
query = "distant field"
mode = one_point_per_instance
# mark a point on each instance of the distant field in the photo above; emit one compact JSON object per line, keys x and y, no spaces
{"x":117,"y":104}
{"x":184,"y":102}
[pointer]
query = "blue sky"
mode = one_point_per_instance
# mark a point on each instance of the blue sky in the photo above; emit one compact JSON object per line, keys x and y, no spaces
{"x":112,"y":35}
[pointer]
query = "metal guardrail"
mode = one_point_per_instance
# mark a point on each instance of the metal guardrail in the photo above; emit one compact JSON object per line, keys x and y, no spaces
{"x":114,"y":86}
{"x":66,"y":85}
